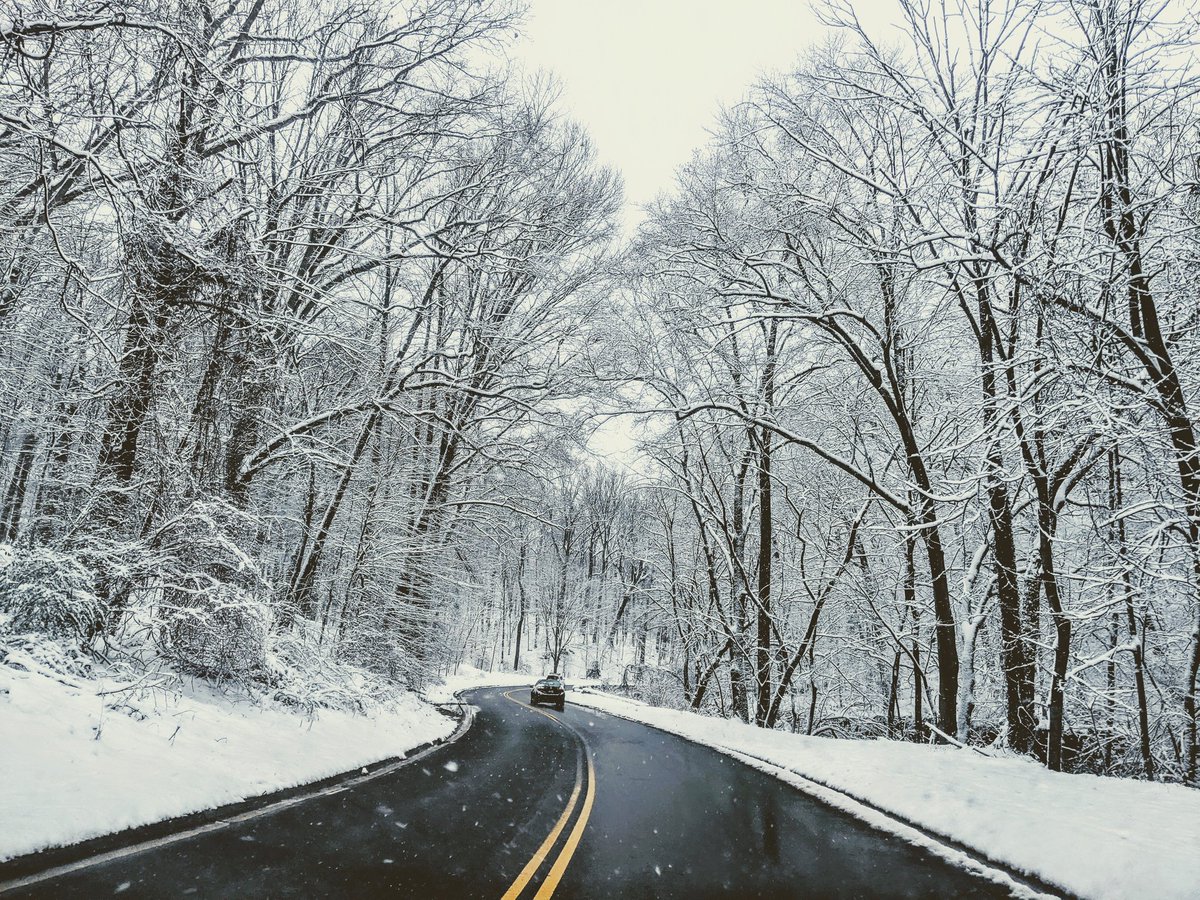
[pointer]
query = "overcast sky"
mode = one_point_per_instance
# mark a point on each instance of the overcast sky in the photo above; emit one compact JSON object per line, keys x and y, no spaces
{"x":648,"y":77}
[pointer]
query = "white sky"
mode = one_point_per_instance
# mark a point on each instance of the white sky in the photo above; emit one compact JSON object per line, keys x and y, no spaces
{"x":648,"y":77}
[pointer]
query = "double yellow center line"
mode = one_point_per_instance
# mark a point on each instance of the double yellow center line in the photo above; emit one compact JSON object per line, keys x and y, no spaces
{"x":568,"y":849}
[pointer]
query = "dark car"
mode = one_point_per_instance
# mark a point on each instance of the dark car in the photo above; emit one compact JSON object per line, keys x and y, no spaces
{"x":549,"y":690}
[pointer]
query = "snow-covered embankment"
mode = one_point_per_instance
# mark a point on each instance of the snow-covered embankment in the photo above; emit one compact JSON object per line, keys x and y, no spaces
{"x":84,"y":757}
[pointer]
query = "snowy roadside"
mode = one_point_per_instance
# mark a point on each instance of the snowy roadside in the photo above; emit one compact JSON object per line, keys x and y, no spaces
{"x":83,"y":759}
{"x":1094,"y":837}
{"x":468,"y":677}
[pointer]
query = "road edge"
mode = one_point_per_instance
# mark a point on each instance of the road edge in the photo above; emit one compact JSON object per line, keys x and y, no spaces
{"x":39,"y":865}
{"x":877,"y":817}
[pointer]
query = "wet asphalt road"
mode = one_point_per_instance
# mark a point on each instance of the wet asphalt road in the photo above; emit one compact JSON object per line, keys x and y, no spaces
{"x":658,"y":817}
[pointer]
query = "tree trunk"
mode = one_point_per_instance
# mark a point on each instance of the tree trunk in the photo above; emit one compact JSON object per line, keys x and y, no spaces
{"x":520,"y":577}
{"x":14,"y":497}
{"x":1047,"y":526}
{"x":910,"y":599}
{"x":300,"y":594}
{"x":1014,"y":642}
{"x":737,"y":693}
{"x":763,"y":707}
{"x":135,"y":389}
{"x":1138,"y":633}
{"x":703,"y":678}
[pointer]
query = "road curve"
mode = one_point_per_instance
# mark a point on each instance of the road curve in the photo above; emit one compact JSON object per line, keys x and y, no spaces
{"x":533,"y":804}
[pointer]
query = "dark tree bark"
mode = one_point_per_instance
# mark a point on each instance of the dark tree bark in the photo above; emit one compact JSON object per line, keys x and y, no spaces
{"x":910,"y":600}
{"x":766,"y":540}
{"x":1016,"y":648}
{"x":703,"y":678}
{"x":300,"y":593}
{"x":521,"y":605}
{"x":18,"y":485}
{"x":1137,"y":630}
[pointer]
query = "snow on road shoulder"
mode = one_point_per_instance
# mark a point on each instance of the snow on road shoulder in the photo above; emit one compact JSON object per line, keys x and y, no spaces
{"x":79,"y":763}
{"x":1094,"y":837}
{"x":466,"y":677}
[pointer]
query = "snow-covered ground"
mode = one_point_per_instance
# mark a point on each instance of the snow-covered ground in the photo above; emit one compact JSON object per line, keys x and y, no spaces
{"x":467,"y":677}
{"x":83,"y":758}
{"x":1095,"y":837}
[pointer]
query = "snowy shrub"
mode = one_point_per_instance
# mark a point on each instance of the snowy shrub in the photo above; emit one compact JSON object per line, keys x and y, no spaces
{"x":307,"y":676}
{"x":850,"y":727}
{"x":386,"y":655}
{"x":208,"y":590}
{"x":219,"y":634}
{"x":55,"y":658}
{"x":653,"y":685}
{"x":48,"y":591}
{"x":207,"y":542}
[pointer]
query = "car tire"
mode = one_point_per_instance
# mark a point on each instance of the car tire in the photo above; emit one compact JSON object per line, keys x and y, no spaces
{"x":559,"y":706}
{"x":532,"y":702}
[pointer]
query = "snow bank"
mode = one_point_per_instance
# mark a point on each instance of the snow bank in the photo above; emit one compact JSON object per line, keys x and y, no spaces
{"x":1094,"y":837}
{"x":468,"y":677}
{"x":80,"y":762}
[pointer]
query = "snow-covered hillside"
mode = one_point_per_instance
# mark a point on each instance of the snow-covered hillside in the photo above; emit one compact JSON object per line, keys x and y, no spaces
{"x":85,"y":757}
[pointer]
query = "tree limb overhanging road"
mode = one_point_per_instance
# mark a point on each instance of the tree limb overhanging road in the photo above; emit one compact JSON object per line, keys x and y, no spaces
{"x":532,"y":804}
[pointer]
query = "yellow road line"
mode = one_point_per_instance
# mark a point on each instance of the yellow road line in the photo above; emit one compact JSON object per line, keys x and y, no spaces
{"x":564,"y":857}
{"x":541,"y":712}
{"x":543,"y":851}
{"x":568,"y":850}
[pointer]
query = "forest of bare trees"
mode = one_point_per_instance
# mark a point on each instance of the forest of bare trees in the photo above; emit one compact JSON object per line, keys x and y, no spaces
{"x":311,"y":309}
{"x":286,"y":286}
{"x":923,"y":317}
